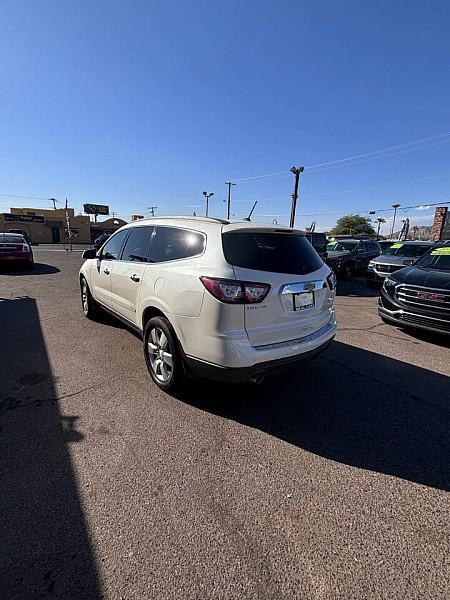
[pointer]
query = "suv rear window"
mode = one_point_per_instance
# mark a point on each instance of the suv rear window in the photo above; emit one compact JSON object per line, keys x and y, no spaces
{"x":274,"y":252}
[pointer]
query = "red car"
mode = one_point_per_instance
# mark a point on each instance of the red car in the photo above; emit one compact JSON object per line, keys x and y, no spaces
{"x":14,"y":249}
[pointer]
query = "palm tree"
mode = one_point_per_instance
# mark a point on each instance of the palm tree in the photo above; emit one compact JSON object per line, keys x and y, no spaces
{"x":380,"y":221}
{"x":415,"y":229}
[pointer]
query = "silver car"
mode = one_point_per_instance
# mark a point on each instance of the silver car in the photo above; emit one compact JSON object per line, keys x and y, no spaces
{"x":397,"y":256}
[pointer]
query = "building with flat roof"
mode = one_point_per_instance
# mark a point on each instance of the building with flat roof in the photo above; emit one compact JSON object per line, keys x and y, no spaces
{"x":48,"y":226}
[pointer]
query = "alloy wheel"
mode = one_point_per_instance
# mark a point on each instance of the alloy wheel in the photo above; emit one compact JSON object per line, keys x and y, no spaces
{"x":85,"y":297}
{"x":160,"y":355}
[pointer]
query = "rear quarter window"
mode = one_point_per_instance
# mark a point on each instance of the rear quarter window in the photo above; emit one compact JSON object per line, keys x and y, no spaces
{"x":173,"y":243}
{"x":273,"y":252}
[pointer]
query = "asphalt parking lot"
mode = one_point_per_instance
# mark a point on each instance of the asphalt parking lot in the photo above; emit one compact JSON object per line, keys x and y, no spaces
{"x":331,"y":481}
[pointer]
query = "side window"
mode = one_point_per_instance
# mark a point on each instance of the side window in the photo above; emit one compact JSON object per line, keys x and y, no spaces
{"x":374,"y":247}
{"x":171,"y":243}
{"x":111,"y":249}
{"x":319,"y":242}
{"x":362,"y":247}
{"x":136,"y":247}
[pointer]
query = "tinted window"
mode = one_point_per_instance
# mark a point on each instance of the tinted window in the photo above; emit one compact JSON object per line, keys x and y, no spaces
{"x":411,"y":250}
{"x":274,"y":252}
{"x":111,"y":249}
{"x":341,"y":246}
{"x":318,"y":240}
{"x":11,"y":239}
{"x":437,"y":258}
{"x":374,"y":247}
{"x":171,"y":243}
{"x":137,"y":245}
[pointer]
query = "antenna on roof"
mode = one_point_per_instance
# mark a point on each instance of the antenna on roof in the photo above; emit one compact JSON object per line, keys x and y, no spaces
{"x":251,"y":212}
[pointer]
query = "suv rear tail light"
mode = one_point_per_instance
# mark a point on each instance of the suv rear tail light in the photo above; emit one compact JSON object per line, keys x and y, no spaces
{"x":331,"y":280}
{"x":231,"y":291}
{"x":25,"y":248}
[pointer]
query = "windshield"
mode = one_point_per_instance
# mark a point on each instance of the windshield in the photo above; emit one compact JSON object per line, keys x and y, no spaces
{"x":411,"y":250}
{"x":273,"y":252}
{"x":341,"y":246}
{"x":438,"y":259}
{"x":11,"y":239}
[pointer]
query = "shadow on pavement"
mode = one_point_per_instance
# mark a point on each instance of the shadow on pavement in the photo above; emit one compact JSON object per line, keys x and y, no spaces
{"x":356,"y":287}
{"x":351,"y":406}
{"x":437,"y":339}
{"x":36,"y":269}
{"x":45,"y":549}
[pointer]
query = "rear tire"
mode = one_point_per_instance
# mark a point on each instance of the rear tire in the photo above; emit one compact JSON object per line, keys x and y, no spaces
{"x":162,"y":354}
{"x":88,"y":304}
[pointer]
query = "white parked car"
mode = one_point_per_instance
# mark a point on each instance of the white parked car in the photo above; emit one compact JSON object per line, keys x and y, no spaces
{"x":228,"y":301}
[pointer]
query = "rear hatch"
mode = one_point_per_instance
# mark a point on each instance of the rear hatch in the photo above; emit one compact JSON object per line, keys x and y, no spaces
{"x":299,"y":302}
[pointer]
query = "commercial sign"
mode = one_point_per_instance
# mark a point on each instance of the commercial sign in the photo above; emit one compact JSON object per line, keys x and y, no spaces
{"x":23,"y":218}
{"x":96,"y":209}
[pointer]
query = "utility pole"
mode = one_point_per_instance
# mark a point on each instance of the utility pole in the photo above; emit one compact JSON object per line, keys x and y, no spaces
{"x":296,"y":171}
{"x":207,"y":197}
{"x":229,"y":184}
{"x":394,"y":206}
{"x":152,"y":209}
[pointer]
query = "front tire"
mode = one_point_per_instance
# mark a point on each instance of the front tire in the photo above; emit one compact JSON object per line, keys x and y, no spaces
{"x":89,"y":306}
{"x":347,"y":271}
{"x":162,"y":354}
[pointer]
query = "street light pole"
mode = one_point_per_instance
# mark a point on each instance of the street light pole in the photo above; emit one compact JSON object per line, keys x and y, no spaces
{"x":296,"y":171}
{"x":207,"y":197}
{"x":394,"y":206}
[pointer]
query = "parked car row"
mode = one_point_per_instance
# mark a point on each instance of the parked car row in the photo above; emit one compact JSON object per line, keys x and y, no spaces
{"x":239,"y":301}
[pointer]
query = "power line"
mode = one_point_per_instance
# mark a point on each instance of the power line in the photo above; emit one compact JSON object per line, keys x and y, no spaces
{"x":380,"y":157}
{"x":387,"y":152}
{"x":26,"y":197}
{"x":388,"y":149}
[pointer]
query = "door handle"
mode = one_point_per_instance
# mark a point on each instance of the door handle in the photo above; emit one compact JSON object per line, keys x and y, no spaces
{"x":135,"y":278}
{"x":106,"y":271}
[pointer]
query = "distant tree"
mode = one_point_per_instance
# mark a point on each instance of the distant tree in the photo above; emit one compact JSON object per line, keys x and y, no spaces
{"x":353,"y":225}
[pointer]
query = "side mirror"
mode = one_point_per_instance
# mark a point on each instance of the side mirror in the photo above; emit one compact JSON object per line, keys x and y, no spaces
{"x":408,"y":262}
{"x":360,"y":251}
{"x":91,"y":253}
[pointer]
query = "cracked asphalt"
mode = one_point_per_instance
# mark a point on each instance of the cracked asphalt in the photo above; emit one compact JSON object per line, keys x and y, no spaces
{"x":331,"y":481}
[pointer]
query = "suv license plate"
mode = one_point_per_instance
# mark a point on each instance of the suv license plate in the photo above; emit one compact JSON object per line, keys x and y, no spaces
{"x":303,"y":300}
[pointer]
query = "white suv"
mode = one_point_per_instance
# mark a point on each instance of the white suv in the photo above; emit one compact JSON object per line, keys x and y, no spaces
{"x":229,"y":301}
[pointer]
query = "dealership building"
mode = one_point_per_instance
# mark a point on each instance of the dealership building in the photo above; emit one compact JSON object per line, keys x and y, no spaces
{"x":47,"y":226}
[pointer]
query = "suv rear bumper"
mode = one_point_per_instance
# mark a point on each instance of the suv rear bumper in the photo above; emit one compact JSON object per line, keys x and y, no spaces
{"x":199,"y":368}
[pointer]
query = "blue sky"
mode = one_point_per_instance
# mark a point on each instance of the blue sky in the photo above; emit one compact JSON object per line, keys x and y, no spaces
{"x":134,"y":104}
